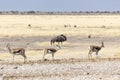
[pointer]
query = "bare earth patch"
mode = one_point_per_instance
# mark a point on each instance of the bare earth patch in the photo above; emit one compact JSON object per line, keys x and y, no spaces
{"x":65,"y":69}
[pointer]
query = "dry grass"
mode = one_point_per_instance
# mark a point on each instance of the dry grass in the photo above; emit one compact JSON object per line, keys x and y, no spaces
{"x":48,"y":25}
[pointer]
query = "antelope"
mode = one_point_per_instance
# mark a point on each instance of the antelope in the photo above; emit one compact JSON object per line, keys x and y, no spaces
{"x":51,"y":51}
{"x":96,"y":49}
{"x":17,"y":51}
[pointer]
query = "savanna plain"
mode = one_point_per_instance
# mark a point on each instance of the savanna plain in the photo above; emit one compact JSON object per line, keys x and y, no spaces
{"x":34,"y":32}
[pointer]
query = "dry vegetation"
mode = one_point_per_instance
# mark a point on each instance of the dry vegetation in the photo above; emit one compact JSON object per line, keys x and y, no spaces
{"x":71,"y":61}
{"x":49,"y":25}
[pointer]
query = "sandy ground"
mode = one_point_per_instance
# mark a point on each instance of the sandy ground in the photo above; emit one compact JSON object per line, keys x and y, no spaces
{"x":70,"y":69}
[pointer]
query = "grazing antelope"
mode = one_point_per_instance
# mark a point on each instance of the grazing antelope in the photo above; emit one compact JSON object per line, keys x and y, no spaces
{"x":96,"y":49}
{"x":51,"y":51}
{"x":17,"y":51}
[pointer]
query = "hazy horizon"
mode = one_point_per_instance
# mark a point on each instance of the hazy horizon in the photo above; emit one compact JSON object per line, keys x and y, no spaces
{"x":59,"y":5}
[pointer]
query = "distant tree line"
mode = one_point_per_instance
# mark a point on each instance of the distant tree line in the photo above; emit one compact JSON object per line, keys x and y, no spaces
{"x":58,"y":13}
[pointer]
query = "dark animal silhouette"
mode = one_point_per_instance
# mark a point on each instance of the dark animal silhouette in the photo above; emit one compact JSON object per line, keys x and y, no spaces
{"x":61,"y":38}
{"x":75,"y":26}
{"x":89,"y":36}
{"x":29,"y":25}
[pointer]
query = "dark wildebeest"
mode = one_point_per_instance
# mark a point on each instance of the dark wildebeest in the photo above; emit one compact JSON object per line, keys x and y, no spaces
{"x":61,"y":38}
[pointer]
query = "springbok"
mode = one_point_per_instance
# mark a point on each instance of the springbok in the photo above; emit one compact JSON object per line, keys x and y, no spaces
{"x":51,"y":51}
{"x":96,"y":49}
{"x":17,"y":51}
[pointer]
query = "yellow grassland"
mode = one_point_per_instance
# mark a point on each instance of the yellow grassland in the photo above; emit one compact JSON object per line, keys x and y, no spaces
{"x":50,"y":25}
